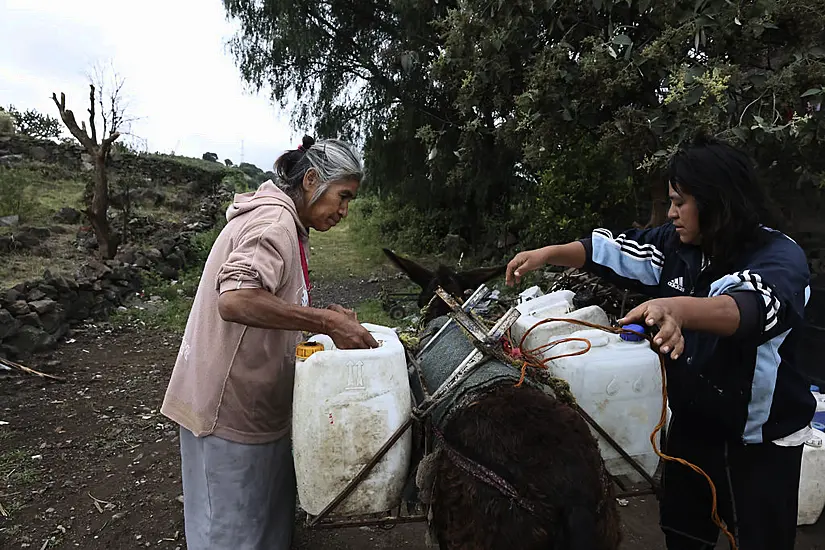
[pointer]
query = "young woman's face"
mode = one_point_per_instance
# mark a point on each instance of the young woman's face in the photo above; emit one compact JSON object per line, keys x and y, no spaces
{"x":684,"y":213}
{"x":331,"y":207}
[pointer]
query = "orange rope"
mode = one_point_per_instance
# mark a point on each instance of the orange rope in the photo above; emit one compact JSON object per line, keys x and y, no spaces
{"x":533,"y":361}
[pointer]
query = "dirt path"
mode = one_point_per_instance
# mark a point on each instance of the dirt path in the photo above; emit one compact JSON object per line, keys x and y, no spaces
{"x":92,"y":464}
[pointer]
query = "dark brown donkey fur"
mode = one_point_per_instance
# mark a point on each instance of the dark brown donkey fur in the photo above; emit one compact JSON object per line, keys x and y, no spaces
{"x":539,"y":445}
{"x":542,"y":448}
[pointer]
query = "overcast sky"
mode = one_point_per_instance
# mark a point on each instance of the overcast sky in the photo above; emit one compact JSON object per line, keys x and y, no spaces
{"x":179,"y":77}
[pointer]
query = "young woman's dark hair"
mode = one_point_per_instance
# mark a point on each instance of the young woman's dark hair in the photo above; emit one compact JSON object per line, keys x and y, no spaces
{"x":732,"y":203}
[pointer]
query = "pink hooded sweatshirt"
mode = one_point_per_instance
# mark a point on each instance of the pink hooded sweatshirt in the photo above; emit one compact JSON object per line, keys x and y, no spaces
{"x":231,"y":380}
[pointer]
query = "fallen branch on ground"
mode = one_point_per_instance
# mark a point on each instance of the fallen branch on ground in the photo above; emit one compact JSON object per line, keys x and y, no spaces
{"x":16,"y":366}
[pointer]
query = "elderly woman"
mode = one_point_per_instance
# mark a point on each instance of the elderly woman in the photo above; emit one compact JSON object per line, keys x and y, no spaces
{"x":231,"y":388}
{"x":729,"y":296}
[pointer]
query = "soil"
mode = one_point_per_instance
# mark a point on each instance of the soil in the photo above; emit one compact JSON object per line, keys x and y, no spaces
{"x":91,"y":463}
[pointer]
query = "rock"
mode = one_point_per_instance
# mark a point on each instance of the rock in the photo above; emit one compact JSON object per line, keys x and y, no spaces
{"x":43,"y":306}
{"x":167,"y":271}
{"x":10,"y":296}
{"x":127,"y":255}
{"x":9,"y":221}
{"x":81,"y":307}
{"x":9,"y":352}
{"x":32,"y":339}
{"x":86,"y":238}
{"x":68,"y":216}
{"x":60,"y":283}
{"x":38,"y":153}
{"x":35,"y":294}
{"x":8,"y":160}
{"x":30,"y":319}
{"x":55,"y":324}
{"x":30,"y":237}
{"x":120,"y":273}
{"x":93,"y":270}
{"x":18,"y":308}
{"x":175,"y":260}
{"x":8,"y":324}
{"x":154,"y":255}
{"x":6,"y":244}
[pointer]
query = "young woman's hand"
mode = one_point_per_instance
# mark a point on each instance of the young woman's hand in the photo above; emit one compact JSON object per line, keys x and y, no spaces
{"x":665,"y":314}
{"x":524,"y":262}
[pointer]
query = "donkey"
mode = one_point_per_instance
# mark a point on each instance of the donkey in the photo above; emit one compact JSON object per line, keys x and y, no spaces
{"x":517,"y":467}
{"x":456,"y":283}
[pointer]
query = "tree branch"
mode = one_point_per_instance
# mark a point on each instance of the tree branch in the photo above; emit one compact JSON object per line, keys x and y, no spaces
{"x":92,"y":112}
{"x":67,"y":116}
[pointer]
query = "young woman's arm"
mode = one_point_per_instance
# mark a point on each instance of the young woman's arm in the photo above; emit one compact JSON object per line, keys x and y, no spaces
{"x":633,"y":259}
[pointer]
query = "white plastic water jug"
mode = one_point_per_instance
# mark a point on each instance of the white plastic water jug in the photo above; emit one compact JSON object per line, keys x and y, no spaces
{"x":347,"y":404}
{"x":549,"y":332}
{"x":812,"y":480}
{"x":619,"y":384}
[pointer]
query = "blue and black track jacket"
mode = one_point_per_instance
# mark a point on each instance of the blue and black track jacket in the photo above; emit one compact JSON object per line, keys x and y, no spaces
{"x":745,"y":387}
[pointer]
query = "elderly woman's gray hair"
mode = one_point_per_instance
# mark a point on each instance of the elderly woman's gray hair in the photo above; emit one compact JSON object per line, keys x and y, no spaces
{"x":332,"y":160}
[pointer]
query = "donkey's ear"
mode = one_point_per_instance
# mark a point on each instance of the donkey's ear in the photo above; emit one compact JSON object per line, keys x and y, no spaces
{"x":473,"y":278}
{"x":417,"y":274}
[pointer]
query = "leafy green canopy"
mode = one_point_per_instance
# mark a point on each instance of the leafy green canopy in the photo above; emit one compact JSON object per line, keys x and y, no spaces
{"x":543,"y":117}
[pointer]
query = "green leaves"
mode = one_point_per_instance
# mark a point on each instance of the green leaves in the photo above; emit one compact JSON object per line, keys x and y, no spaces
{"x":813,"y":92}
{"x":463,"y":108}
{"x":622,"y":40}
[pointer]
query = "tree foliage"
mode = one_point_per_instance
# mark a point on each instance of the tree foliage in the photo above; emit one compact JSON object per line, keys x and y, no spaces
{"x":35,"y":124}
{"x":543,"y":117}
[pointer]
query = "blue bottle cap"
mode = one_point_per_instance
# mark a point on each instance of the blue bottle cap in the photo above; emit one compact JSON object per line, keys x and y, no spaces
{"x":815,"y":388}
{"x":818,"y":426}
{"x":626,"y":336}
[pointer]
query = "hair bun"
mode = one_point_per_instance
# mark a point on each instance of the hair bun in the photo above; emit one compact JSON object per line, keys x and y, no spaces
{"x":307,"y":142}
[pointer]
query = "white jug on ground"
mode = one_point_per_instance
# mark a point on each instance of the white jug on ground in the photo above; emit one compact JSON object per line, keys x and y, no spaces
{"x":346,"y":405}
{"x":812,"y":480}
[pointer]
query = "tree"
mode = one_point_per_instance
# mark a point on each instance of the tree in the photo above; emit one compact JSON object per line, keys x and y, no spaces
{"x":109,"y":98}
{"x":487,"y":113}
{"x":35,"y":124}
{"x":6,"y":122}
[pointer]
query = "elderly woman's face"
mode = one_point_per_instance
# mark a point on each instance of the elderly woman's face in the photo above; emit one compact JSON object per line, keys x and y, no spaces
{"x":331,"y":207}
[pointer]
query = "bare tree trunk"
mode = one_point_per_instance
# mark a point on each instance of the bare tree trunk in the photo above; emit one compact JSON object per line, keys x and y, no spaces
{"x":98,"y":207}
{"x":107,"y":242}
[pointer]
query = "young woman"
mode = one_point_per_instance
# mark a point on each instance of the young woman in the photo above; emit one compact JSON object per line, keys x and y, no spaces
{"x":231,"y":388}
{"x":729,"y":294}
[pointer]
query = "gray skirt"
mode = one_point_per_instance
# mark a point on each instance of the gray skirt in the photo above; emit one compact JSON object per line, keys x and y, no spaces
{"x":236,"y":496}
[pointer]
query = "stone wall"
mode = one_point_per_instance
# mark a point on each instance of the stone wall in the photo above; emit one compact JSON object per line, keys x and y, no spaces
{"x":37,"y":314}
{"x":153,"y":168}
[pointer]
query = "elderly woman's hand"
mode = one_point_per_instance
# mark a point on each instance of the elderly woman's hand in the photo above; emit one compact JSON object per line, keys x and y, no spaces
{"x":341,"y":309}
{"x":665,"y":314}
